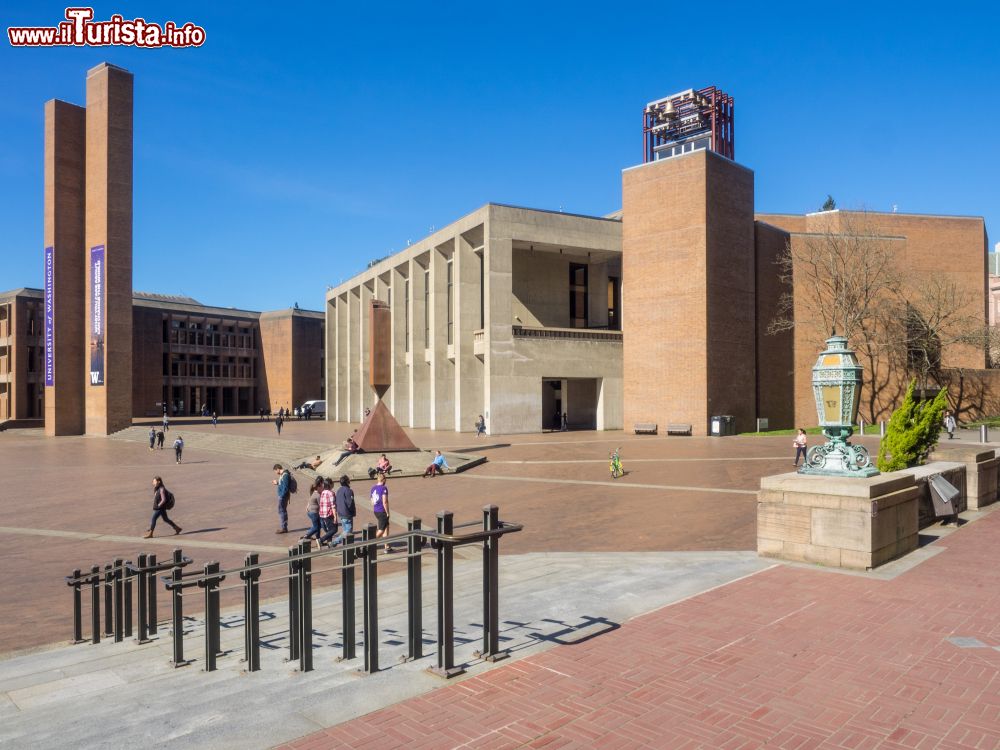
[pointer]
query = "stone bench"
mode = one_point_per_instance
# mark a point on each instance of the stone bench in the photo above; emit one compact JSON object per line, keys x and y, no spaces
{"x":678,"y":429}
{"x":645,"y":428}
{"x":982,"y":466}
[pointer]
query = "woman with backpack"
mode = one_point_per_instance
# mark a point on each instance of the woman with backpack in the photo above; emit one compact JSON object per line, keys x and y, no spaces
{"x":163,"y":500}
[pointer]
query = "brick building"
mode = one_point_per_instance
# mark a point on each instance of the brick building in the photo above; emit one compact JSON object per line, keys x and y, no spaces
{"x":184,"y":354}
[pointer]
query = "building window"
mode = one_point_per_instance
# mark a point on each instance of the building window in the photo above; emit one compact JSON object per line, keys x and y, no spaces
{"x":614,"y":304}
{"x":451,"y":305}
{"x":578,"y":295}
{"x":406,"y":314}
{"x":427,"y":308}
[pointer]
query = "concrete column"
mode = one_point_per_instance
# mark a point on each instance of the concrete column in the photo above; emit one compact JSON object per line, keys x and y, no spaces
{"x":597,"y":299}
{"x":442,"y":370}
{"x":330,"y":363}
{"x":366,"y":395}
{"x":343,"y":357}
{"x":419,"y":370}
{"x":108,"y":238}
{"x":353,"y":352}
{"x":64,"y":362}
{"x":499,"y":337}
{"x":399,"y":391}
{"x":468,"y":368}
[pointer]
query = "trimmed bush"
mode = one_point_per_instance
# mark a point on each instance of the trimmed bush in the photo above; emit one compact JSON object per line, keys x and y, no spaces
{"x":912,"y":432}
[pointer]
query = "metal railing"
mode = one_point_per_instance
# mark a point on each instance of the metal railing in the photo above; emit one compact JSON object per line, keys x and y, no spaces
{"x":588,"y":334}
{"x":297,"y":568}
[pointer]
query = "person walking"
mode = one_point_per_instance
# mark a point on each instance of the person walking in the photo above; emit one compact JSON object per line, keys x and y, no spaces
{"x":278,"y":422}
{"x":437,"y":466}
{"x":312,"y":510}
{"x":346,"y":510}
{"x":564,"y":427}
{"x":163,"y":500}
{"x":950,"y":424}
{"x":283,"y":490}
{"x":159,"y":439}
{"x":152,"y":438}
{"x":481,"y":426}
{"x":800,"y":444}
{"x":166,"y":422}
{"x":178,"y":448}
{"x":215,"y":419}
{"x":327,"y":512}
{"x":380,"y":507}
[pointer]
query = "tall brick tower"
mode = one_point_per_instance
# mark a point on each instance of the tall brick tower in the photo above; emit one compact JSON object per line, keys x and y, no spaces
{"x":108,"y":250}
{"x":64,"y":327}
{"x":688,"y":269}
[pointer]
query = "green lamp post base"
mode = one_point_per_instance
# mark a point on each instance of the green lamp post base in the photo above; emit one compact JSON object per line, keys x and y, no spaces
{"x":837,"y":457}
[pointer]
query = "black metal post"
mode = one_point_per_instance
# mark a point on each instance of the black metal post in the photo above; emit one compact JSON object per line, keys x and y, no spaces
{"x":143,"y":600}
{"x":77,"y":608}
{"x":305,"y":607}
{"x":347,"y":593}
{"x":109,"y":600}
{"x":251,"y":612}
{"x":415,"y":594}
{"x":128,"y":574}
{"x":369,"y":583}
{"x":151,"y":590}
{"x":95,"y":604}
{"x":445,"y":604}
{"x":491,"y":588}
{"x":119,"y":596}
{"x":178,"y":617}
{"x":293,"y":606}
{"x":211,"y":586}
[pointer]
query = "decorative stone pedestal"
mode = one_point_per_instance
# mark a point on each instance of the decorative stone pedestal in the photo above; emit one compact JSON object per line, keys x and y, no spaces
{"x":857,"y":523}
{"x":981,"y":470}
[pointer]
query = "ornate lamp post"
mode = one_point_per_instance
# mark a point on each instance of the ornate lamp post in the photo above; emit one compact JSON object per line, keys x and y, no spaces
{"x":836,"y":384}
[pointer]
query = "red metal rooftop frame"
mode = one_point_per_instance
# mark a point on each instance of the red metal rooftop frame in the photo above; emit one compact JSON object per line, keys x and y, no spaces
{"x":683,"y":116}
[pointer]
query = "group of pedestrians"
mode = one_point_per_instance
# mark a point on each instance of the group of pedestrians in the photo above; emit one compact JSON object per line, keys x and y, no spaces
{"x":156,"y":441}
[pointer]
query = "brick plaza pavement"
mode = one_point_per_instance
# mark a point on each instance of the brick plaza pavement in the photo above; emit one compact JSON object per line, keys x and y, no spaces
{"x":792,"y":658}
{"x":73,"y":502}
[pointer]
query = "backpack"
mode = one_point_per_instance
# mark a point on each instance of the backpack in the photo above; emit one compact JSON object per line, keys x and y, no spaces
{"x":293,"y":486}
{"x":170,"y":500}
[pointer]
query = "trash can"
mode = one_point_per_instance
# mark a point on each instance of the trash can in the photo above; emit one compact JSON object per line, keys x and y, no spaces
{"x":723,"y":424}
{"x":944,"y":496}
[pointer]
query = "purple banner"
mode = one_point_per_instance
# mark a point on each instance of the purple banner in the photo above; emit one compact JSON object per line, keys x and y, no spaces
{"x":50,"y":303}
{"x":97,"y":276}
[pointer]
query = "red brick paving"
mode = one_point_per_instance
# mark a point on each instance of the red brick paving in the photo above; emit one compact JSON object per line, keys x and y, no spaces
{"x":790,"y":658}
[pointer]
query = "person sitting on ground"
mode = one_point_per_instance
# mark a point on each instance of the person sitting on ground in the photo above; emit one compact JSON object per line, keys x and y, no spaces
{"x":350,"y":448}
{"x":382,"y":467}
{"x":438,"y":465}
{"x":314,"y":464}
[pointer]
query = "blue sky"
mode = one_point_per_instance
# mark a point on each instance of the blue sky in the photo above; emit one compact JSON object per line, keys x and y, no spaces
{"x":289,"y":150}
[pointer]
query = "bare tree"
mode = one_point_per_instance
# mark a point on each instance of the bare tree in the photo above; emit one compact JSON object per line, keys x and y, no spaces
{"x":843,"y":279}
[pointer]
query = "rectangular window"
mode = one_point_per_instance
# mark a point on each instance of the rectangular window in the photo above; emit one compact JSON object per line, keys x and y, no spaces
{"x":451,"y":305}
{"x":406,"y":314}
{"x":427,"y":308}
{"x":614,"y":304}
{"x":578,"y":295}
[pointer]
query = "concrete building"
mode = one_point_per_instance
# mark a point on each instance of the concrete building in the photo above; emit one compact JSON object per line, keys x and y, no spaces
{"x":509,"y":312}
{"x":185,"y":355}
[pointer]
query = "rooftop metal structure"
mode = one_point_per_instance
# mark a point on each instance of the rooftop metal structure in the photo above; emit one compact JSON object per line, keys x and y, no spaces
{"x":688,"y":121}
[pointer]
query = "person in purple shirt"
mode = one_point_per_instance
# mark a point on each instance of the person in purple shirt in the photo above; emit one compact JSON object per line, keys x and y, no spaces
{"x":380,"y":507}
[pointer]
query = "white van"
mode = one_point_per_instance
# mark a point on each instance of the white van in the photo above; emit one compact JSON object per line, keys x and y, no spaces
{"x":318,"y":408}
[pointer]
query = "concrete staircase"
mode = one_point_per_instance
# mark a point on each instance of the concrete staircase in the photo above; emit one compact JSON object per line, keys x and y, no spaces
{"x":288,"y":452}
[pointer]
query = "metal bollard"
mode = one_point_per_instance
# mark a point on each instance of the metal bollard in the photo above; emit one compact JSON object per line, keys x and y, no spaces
{"x":415,"y":594}
{"x":861,"y":425}
{"x":369,"y":584}
{"x":142,"y":597}
{"x":304,"y":578}
{"x":211,"y":587}
{"x":128,"y":575}
{"x":151,"y":591}
{"x":293,"y":607}
{"x":119,"y":596}
{"x":984,"y":434}
{"x":881,"y":429}
{"x":347,"y":592}
{"x":109,"y":600}
{"x":251,"y":613}
{"x":178,"y":618}
{"x":445,"y":604}
{"x":95,"y":604}
{"x":77,"y":607}
{"x":491,"y":588}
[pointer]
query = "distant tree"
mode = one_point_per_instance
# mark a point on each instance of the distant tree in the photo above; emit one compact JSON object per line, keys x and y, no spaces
{"x":829,"y":204}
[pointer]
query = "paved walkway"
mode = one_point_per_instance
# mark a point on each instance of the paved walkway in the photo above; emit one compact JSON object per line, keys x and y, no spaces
{"x":791,"y":657}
